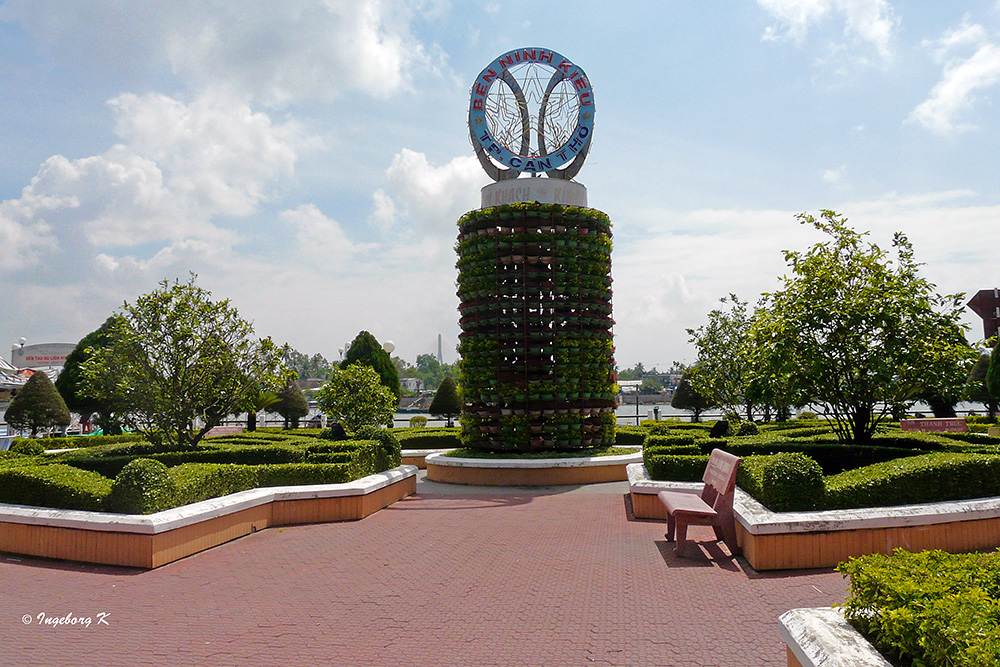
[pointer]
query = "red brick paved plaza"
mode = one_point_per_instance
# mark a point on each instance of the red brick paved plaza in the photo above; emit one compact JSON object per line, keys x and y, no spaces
{"x":451,"y":576}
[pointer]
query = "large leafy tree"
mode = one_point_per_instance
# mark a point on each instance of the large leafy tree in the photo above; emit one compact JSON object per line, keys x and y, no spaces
{"x":686,"y":397}
{"x":176,"y":356}
{"x":992,"y":380}
{"x":366,"y":351}
{"x":37,"y":405}
{"x":858,"y":331}
{"x":70,"y":380}
{"x":356,"y":397}
{"x":446,"y":401}
{"x":725,"y":364}
{"x":308,"y":368}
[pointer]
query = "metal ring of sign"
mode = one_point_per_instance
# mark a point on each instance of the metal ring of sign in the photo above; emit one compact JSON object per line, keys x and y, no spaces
{"x":564,"y":161}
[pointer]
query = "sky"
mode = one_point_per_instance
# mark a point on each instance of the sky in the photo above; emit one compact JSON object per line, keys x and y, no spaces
{"x":308,"y":160}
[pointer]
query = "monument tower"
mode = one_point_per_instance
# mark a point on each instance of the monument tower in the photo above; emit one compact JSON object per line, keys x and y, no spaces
{"x":534,"y":265}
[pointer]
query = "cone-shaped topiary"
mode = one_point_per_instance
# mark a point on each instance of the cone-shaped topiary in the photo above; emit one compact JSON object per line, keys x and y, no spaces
{"x":446,"y":401}
{"x":365,"y":350}
{"x":37,"y":405}
{"x":686,"y":398}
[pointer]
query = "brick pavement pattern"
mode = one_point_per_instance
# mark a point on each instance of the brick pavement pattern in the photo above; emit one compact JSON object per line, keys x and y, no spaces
{"x":525,"y":579}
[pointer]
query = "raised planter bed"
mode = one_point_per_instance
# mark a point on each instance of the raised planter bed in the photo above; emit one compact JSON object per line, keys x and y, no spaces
{"x":823,"y":636}
{"x":801,"y":540}
{"x":151,"y":540}
{"x":529,"y":472}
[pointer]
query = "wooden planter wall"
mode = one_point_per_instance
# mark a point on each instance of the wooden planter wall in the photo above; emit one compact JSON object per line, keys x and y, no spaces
{"x":536,"y":344}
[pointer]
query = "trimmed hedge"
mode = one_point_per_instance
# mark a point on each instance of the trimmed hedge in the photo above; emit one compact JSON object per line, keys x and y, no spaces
{"x":930,"y":608}
{"x":27,"y":446}
{"x":54,"y":485}
{"x":200,"y":481}
{"x":85,"y":441}
{"x":680,"y":439}
{"x":785,"y":482}
{"x":387,"y":454}
{"x":425,"y":438}
{"x":295,"y":474}
{"x":929,"y":478}
{"x":676,"y":468}
{"x":143,"y":486}
{"x":109,"y":463}
{"x":629,"y":435}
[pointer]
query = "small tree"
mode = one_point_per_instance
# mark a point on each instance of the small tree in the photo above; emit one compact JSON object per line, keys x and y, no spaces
{"x":725,"y":367}
{"x":292,"y":404}
{"x":366,"y":351}
{"x":356,"y":397}
{"x":975,"y":386}
{"x":446,"y":401}
{"x":70,"y":380}
{"x":38,"y":405}
{"x":176,"y":356}
{"x":687,"y":398}
{"x":262,"y":399}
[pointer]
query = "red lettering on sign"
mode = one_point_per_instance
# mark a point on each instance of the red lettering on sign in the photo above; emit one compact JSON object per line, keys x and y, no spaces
{"x":489,"y":75}
{"x":585,"y":99}
{"x":481,"y":89}
{"x":545,"y":56}
{"x":477,"y":104}
{"x":565,"y":65}
{"x":529,"y":55}
{"x":580,"y":83}
{"x":506,"y":61}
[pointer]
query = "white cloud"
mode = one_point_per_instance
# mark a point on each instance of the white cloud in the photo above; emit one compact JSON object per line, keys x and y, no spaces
{"x":274,"y":52}
{"x":835,"y":176}
{"x":870,"y":21}
{"x":963,"y":80}
{"x":320,"y":238}
{"x":430,"y":197}
{"x":219,"y":155}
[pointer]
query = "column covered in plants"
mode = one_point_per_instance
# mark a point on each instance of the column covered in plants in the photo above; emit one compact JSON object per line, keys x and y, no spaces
{"x":536,"y":344}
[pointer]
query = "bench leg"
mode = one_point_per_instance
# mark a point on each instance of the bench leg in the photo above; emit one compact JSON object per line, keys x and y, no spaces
{"x":670,"y":527}
{"x":682,"y":529}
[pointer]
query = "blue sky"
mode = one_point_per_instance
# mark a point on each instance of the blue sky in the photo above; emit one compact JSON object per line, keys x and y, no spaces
{"x":308,"y":160}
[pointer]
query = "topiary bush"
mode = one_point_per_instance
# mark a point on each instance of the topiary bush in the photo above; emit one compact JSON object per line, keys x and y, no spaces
{"x":143,"y":486}
{"x":930,"y":608}
{"x":27,"y":446}
{"x":629,"y":435}
{"x":418,"y":421}
{"x":785,"y":482}
{"x":747,"y":428}
{"x":389,"y":451}
{"x":53,"y":485}
{"x":436,"y":439}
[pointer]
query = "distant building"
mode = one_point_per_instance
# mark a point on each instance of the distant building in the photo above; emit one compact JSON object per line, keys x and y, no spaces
{"x":411,"y":384}
{"x":629,"y":386}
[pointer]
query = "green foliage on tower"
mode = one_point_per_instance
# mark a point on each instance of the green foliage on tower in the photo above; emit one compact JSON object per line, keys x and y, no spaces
{"x":366,"y":351}
{"x":37,"y":405}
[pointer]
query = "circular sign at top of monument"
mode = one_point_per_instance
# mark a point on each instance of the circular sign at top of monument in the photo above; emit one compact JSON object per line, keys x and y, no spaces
{"x":531,"y":110}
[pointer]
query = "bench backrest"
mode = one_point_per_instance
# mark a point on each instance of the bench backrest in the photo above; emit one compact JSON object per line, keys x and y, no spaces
{"x":720,"y":479}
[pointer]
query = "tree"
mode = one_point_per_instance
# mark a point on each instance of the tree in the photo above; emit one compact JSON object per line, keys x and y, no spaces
{"x":365,"y":350}
{"x":70,"y":380}
{"x":725,"y":370}
{"x":292,"y":404}
{"x":258,"y":400}
{"x":38,"y":405}
{"x":975,"y":386}
{"x":356,"y":397}
{"x":174,"y":356}
{"x":446,"y":401}
{"x":307,"y":368}
{"x":993,"y":373}
{"x":686,"y":397}
{"x":859,"y":332}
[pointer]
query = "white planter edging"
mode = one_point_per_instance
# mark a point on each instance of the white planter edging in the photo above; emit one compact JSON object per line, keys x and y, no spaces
{"x":582,"y":462}
{"x":823,"y":637}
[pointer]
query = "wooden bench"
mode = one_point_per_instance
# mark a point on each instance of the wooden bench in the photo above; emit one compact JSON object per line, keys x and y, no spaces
{"x":713,"y":507}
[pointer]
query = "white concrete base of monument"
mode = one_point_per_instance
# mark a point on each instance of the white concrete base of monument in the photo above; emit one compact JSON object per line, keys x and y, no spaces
{"x":542,"y":189}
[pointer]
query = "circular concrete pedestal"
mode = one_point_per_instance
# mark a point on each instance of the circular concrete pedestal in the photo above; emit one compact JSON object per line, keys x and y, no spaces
{"x":529,"y":472}
{"x":542,"y":190}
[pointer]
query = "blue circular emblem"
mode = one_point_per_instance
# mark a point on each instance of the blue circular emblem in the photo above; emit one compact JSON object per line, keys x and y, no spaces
{"x":531,"y":110}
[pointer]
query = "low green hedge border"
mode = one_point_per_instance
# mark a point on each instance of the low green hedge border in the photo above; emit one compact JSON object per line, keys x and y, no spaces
{"x":159,"y":480}
{"x":930,"y":608}
{"x":428,"y":438}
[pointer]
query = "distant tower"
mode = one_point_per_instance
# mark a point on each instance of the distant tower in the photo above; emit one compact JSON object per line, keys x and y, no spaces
{"x":440,"y":360}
